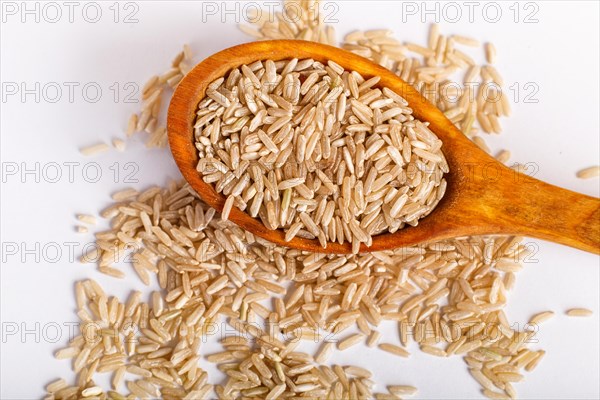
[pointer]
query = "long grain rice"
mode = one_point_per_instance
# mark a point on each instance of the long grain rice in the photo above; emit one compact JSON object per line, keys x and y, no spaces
{"x":392,"y":348}
{"x":541,"y":317}
{"x":590,"y":172}
{"x":191,"y":251}
{"x":579,"y":312}
{"x":94,"y":149}
{"x":310,"y":136}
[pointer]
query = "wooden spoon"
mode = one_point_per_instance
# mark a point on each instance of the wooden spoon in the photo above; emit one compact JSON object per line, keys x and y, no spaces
{"x":483,"y":196}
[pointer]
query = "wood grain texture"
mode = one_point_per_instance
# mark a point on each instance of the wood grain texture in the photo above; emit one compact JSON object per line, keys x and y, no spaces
{"x":483,"y":196}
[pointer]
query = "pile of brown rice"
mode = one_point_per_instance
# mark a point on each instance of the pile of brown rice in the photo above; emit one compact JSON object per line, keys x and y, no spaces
{"x":446,"y":296}
{"x":317,"y":151}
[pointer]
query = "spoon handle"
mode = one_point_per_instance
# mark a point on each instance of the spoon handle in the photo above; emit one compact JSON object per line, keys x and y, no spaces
{"x":548,"y":212}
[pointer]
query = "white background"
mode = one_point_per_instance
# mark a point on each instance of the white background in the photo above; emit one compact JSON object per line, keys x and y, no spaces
{"x":559,"y":133}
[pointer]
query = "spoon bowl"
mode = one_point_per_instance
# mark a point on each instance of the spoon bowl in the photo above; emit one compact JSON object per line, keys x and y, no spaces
{"x":482,"y":197}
